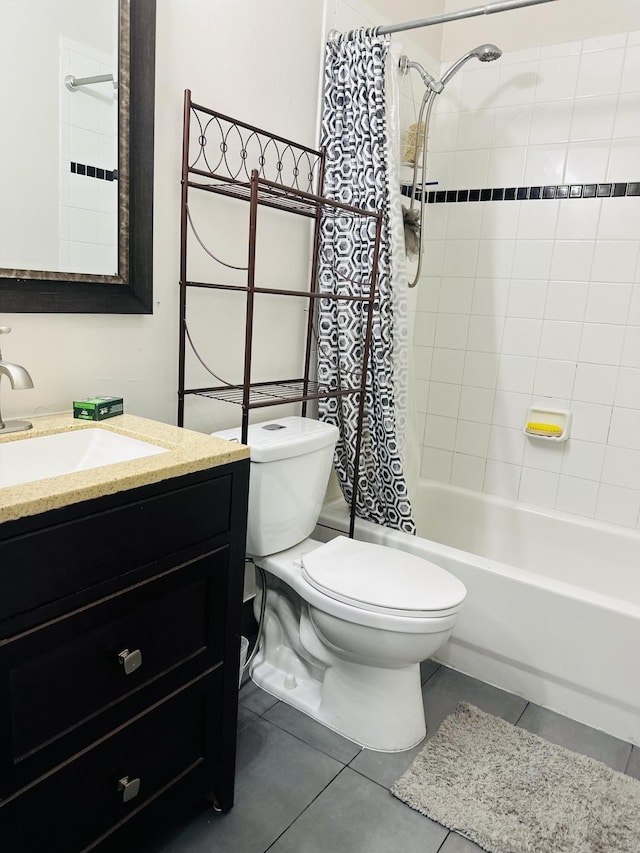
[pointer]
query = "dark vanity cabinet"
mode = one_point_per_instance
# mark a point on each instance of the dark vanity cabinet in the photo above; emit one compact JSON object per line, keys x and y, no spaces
{"x":119,"y":652}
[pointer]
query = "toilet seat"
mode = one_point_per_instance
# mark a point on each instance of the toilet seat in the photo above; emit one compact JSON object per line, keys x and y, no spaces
{"x":382,"y":580}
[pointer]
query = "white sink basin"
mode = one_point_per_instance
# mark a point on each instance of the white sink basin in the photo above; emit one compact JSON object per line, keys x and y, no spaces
{"x":30,"y":459}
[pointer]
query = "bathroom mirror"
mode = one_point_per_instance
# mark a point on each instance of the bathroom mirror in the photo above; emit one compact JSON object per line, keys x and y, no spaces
{"x":76,"y":164}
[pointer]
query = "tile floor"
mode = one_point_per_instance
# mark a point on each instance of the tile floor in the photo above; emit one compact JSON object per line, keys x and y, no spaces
{"x":300,"y":788}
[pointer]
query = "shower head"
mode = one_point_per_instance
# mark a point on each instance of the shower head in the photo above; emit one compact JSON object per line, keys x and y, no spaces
{"x":484,"y":52}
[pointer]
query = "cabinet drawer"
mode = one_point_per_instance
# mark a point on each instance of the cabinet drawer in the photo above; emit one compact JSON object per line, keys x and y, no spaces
{"x":65,"y":674}
{"x":104,"y":786}
{"x":46,"y":565}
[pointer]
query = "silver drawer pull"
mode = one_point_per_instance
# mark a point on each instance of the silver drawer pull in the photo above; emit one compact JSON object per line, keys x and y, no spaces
{"x":130,"y":660}
{"x":130,"y":788}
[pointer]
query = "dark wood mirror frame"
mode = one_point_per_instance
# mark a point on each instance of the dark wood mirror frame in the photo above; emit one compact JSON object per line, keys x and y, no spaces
{"x":135,"y":294}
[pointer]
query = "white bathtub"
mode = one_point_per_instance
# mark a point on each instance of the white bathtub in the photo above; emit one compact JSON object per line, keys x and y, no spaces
{"x":553,"y":601}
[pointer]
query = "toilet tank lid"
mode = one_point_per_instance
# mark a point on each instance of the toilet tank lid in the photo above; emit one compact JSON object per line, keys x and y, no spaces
{"x":377,"y":577}
{"x":284,"y":438}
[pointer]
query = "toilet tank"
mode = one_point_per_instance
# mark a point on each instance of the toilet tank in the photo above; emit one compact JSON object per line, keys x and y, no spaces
{"x":290,"y":465}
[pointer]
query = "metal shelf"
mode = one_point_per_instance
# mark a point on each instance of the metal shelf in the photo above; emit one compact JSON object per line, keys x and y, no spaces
{"x":262,"y":394}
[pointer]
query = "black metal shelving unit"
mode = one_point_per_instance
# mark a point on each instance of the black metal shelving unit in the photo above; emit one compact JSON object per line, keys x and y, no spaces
{"x":227,"y":157}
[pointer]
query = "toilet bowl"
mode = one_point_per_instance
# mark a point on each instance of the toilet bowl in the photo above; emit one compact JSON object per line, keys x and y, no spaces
{"x":346,"y":650}
{"x":346,"y":623}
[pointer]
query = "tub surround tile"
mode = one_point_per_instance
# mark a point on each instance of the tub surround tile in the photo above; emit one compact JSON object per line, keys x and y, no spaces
{"x":590,"y":421}
{"x":572,"y":260}
{"x":560,"y":340}
{"x":538,"y":487}
{"x":593,"y":117}
{"x":618,"y":505}
{"x":468,"y":471}
{"x":440,"y":432}
{"x":608,"y":303}
{"x":521,"y":336}
{"x":530,"y":89}
{"x":576,"y":736}
{"x":516,"y":373}
{"x":543,"y":455}
{"x":472,"y":438}
{"x":557,"y":77}
{"x":628,"y":388}
{"x":577,"y":496}
{"x":600,"y":72}
{"x":618,"y":255}
{"x":625,"y":428}
{"x":189,"y":451}
{"x":444,"y":398}
{"x":620,"y":217}
{"x":456,"y":297}
{"x":480,"y":370}
{"x":595,"y":383}
{"x":554,"y":378}
{"x":485,"y":333}
{"x":506,"y":445}
{"x":476,"y":404}
{"x":631,"y":349}
{"x":601,"y":343}
{"x":376,"y":822}
{"x":447,"y":365}
{"x":583,"y":459}
{"x":566,"y":300}
{"x":436,"y":464}
{"x":502,"y":479}
{"x":451,"y":331}
{"x":621,"y":467}
{"x":527,"y":298}
{"x":510,"y":409}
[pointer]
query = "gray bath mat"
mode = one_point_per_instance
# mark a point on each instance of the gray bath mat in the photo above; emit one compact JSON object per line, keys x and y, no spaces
{"x":510,"y":791}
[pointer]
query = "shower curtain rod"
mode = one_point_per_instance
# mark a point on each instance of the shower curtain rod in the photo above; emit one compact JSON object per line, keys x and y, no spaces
{"x":503,"y":6}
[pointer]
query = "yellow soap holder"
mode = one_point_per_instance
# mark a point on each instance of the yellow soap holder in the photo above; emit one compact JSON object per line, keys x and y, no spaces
{"x":550,"y":424}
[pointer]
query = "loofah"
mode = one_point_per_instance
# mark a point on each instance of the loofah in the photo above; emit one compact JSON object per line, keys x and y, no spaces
{"x":411,"y":220}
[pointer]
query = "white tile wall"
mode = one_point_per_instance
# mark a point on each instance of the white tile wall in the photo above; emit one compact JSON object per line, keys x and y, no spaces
{"x":536,"y":301}
{"x":88,"y":135}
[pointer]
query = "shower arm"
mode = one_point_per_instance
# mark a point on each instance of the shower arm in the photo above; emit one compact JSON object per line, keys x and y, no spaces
{"x":490,"y":9}
{"x":72,"y":83}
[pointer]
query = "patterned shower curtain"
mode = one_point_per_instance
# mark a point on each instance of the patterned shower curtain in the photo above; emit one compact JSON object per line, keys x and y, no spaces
{"x":361,"y":171}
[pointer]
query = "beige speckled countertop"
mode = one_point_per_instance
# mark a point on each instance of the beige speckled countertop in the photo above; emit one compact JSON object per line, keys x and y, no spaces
{"x":189,"y":451}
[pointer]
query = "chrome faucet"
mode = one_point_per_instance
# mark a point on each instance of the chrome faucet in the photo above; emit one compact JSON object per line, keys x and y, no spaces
{"x":20,"y":379}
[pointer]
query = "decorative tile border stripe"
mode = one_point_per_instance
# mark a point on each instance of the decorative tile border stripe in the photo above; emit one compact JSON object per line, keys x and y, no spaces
{"x":611,"y":190}
{"x":94,"y":172}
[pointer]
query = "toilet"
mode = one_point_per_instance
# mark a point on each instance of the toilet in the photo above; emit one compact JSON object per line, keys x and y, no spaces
{"x":346,"y":623}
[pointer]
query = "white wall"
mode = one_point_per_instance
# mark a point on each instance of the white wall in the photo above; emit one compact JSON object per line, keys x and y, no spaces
{"x":89,"y":136}
{"x":555,"y":22}
{"x":30,"y":100}
{"x":537,"y":301}
{"x":350,"y":14}
{"x":252,"y":59}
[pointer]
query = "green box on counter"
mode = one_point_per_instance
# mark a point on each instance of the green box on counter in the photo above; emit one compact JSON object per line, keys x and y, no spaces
{"x":98,"y":408}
